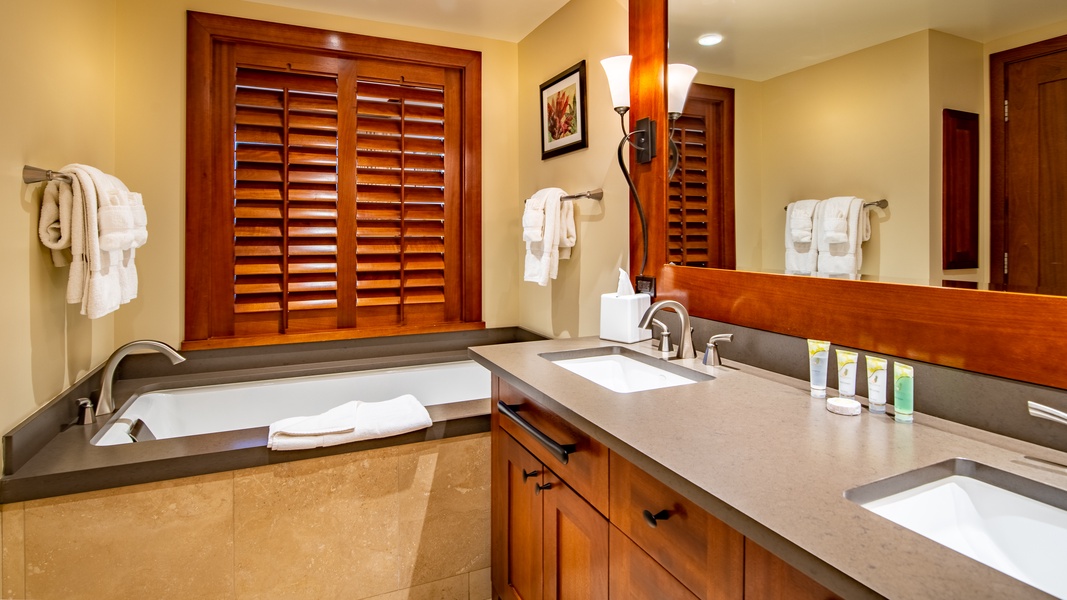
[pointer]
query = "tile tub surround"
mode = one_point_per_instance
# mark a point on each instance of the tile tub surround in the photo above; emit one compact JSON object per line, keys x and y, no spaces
{"x":755,"y":450}
{"x":403,"y":522}
{"x":990,"y":403}
{"x":45,"y":456}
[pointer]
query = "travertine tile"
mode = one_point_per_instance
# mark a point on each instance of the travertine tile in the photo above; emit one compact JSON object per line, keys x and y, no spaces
{"x":172,"y":539}
{"x":481,"y":584}
{"x":12,"y":539}
{"x":453,"y":588}
{"x":321,"y":528}
{"x":444,"y":508}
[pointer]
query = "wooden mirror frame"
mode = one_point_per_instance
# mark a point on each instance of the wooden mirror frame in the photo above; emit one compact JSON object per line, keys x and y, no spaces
{"x":1012,"y":335}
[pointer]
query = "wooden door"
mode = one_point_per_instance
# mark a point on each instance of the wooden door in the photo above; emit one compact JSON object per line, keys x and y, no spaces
{"x":636,"y":576}
{"x":517,"y":520}
{"x":1029,"y":192}
{"x":575,"y":545}
{"x":700,"y":203}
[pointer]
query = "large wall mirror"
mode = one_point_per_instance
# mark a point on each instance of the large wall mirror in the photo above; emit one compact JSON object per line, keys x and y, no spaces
{"x":1014,"y":335}
{"x":838,"y":98}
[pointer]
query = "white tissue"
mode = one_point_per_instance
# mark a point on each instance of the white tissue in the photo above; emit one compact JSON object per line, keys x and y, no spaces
{"x":625,"y":289}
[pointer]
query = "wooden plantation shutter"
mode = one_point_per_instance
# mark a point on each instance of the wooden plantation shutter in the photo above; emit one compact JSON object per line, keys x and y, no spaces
{"x":329,"y":194}
{"x":700,"y":203}
{"x":407,"y":193}
{"x":285,"y":199}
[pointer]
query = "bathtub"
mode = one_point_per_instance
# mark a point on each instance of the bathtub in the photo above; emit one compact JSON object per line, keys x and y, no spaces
{"x":235,"y":406}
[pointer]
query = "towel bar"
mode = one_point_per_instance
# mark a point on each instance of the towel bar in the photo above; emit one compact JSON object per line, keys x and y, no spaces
{"x":596,"y":194}
{"x":883,"y":203}
{"x":37,"y":175}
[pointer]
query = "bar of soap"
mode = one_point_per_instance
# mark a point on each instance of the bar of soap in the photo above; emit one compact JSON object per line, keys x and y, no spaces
{"x":843,"y":406}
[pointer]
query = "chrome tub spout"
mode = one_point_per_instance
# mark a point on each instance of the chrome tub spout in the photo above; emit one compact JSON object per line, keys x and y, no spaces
{"x":106,"y":404}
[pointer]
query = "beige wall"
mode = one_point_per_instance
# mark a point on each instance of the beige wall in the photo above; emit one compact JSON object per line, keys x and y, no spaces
{"x":956,"y":82}
{"x":57,"y":61}
{"x":569,"y":306}
{"x":856,"y":125}
{"x":104,"y":84}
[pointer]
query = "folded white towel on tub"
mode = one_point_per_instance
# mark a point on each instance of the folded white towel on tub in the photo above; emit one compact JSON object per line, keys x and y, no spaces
{"x":350,"y":422}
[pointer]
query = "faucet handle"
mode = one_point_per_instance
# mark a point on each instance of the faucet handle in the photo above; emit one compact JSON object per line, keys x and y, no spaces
{"x":712,"y":350}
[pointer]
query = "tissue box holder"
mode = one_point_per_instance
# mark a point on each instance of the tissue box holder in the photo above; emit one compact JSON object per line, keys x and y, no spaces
{"x":619,"y":316}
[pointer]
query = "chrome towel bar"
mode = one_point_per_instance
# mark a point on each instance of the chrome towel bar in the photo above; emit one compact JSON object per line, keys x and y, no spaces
{"x":37,"y":175}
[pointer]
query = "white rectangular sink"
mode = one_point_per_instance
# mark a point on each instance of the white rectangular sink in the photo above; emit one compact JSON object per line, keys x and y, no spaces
{"x":1010,"y":523}
{"x":624,"y":371}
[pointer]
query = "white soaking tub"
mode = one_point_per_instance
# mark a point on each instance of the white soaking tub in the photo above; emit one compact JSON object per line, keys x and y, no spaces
{"x":236,"y":406}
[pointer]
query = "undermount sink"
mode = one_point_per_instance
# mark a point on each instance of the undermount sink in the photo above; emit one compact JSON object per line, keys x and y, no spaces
{"x":1010,"y":523}
{"x":623,"y":370}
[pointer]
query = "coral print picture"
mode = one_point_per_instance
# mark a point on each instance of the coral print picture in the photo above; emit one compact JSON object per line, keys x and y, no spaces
{"x":563,"y":126}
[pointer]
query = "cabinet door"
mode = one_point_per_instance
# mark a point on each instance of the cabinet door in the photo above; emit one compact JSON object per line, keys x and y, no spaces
{"x":635,"y":576}
{"x":701,"y":551}
{"x":768,"y":577}
{"x":575,"y":545}
{"x":516,"y":520}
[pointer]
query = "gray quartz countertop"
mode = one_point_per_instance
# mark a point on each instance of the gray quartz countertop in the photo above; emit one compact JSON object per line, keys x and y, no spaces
{"x":756,"y":450}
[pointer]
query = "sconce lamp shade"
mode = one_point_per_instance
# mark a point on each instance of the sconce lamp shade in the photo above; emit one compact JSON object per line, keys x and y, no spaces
{"x":618,"y":71}
{"x":679,"y":77}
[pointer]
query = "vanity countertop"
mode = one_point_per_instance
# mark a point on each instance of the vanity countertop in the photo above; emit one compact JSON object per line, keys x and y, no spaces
{"x":757,"y":451}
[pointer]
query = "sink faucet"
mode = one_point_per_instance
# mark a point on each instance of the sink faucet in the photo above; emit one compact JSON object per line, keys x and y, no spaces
{"x":685,"y":346}
{"x":106,"y":404}
{"x":1046,"y":412}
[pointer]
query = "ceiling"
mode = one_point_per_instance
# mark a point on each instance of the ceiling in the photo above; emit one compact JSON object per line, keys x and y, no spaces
{"x":767,"y":38}
{"x":507,"y":20}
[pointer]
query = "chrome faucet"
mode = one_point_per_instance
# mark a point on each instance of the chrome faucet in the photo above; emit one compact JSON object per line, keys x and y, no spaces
{"x":106,"y":404}
{"x":685,"y":345}
{"x":711,"y":354}
{"x":1046,"y":412}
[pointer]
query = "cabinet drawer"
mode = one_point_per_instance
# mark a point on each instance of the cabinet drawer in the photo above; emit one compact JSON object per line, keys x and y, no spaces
{"x":585,"y":466}
{"x":702,"y":552}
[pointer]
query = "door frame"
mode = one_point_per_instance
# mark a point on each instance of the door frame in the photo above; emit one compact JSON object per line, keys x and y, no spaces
{"x":998,"y":206}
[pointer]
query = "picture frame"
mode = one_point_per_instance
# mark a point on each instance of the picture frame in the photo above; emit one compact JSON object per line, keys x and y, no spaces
{"x":563,"y":113}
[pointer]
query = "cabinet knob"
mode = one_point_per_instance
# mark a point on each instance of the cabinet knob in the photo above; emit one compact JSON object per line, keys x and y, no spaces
{"x":539,"y":487}
{"x":528,"y":474}
{"x":651,"y":519}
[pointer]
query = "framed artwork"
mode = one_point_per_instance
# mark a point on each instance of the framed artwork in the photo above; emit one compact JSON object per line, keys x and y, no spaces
{"x":563,"y":126}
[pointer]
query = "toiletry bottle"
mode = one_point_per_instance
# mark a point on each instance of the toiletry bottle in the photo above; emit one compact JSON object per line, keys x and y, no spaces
{"x":818,"y":357}
{"x":903,"y":392}
{"x":846,"y":373}
{"x":876,"y":375}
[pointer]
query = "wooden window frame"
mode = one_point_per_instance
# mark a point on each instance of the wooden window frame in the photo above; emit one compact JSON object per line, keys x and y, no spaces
{"x":209,"y":188}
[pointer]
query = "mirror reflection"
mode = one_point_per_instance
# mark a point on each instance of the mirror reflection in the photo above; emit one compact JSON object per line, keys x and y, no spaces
{"x":832,"y":99}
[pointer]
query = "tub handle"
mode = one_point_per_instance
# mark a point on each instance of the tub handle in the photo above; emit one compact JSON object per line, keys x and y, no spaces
{"x":560,"y":451}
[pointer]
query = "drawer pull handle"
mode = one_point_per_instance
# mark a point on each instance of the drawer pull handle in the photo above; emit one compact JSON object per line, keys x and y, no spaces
{"x":538,"y":487}
{"x":651,"y":519}
{"x":528,"y":474}
{"x":560,"y":451}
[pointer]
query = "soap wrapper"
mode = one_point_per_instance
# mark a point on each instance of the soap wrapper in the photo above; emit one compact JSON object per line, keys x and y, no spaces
{"x":620,"y":314}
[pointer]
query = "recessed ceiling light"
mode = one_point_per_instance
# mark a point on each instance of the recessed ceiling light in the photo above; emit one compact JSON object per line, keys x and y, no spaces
{"x":709,"y":39}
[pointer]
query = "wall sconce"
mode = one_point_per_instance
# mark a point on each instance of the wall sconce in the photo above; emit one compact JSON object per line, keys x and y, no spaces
{"x":642,"y":138}
{"x":679,"y":78}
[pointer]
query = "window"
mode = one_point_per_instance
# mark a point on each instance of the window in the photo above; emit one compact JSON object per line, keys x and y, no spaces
{"x":333,"y":185}
{"x":700,"y":216}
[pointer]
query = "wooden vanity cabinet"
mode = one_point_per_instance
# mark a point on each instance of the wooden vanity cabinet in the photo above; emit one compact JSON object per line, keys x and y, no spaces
{"x":548,"y":542}
{"x":552,"y":540}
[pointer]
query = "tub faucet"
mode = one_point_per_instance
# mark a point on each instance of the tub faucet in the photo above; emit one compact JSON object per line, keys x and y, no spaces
{"x":106,"y":404}
{"x":685,"y":345}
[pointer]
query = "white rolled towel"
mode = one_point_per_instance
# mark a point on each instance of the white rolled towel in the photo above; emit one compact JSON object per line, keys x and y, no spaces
{"x":800,"y":220}
{"x":115,"y":221}
{"x":54,"y":226}
{"x":350,"y":422}
{"x":835,"y":220}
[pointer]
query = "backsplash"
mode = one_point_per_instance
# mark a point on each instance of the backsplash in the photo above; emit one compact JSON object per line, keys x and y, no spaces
{"x":973,"y":399}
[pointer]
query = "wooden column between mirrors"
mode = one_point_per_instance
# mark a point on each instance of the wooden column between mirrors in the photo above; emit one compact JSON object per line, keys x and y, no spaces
{"x":648,"y":46}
